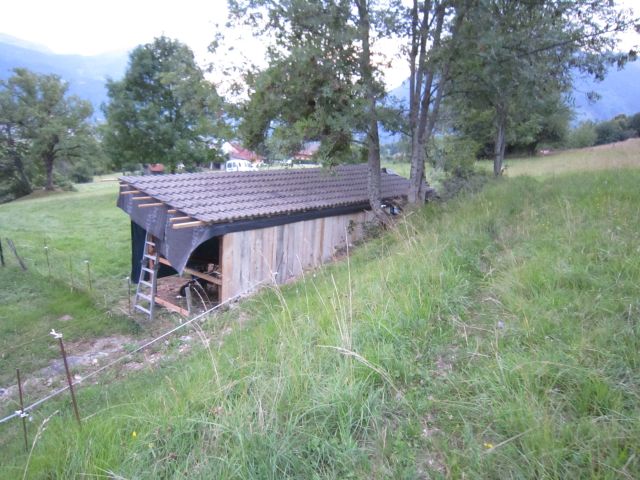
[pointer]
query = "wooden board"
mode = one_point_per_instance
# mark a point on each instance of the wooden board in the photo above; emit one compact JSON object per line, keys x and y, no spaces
{"x":257,"y":257}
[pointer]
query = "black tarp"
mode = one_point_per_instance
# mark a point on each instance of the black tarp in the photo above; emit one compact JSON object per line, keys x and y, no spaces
{"x":138,"y":235}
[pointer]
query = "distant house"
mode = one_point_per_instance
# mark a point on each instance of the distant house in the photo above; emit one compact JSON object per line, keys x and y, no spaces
{"x":307,"y":153}
{"x":235,"y":151}
{"x":154,"y":169}
{"x":241,"y":230}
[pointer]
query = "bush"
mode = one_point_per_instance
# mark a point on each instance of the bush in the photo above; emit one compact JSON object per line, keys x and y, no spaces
{"x":584,"y":135}
{"x":81,"y":173}
{"x":456,"y":155}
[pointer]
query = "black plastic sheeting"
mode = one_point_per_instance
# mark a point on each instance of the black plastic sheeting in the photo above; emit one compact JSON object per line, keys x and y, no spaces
{"x":176,"y":245}
{"x":138,"y":235}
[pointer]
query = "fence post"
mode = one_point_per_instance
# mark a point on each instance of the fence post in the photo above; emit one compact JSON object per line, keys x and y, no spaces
{"x":15,"y":252}
{"x":71,"y":273}
{"x":89,"y":274}
{"x":23,"y":415}
{"x":129,"y":291}
{"x":46,"y":252}
{"x":66,"y":369}
{"x":1,"y":254}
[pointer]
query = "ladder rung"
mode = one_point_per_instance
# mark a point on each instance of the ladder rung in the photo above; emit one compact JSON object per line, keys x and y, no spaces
{"x":145,"y":297}
{"x":152,"y":257}
{"x":141,"y":308}
{"x":147,"y":284}
{"x":147,"y":242}
{"x":148,"y":270}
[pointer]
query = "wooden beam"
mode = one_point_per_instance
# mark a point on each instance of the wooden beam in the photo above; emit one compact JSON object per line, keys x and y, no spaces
{"x":195,"y":273}
{"x":204,"y":276}
{"x":142,"y":198}
{"x":172,"y":211}
{"x":127,"y":192}
{"x":170,"y":306}
{"x":145,"y":205}
{"x":179,"y":219}
{"x":188,"y":225}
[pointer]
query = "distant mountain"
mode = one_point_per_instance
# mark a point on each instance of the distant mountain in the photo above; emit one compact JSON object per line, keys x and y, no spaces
{"x":86,"y":74}
{"x":619,"y":91}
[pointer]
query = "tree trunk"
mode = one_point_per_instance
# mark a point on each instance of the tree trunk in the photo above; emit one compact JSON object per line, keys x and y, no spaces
{"x":48,"y":166}
{"x":373,"y":138}
{"x":422,"y":121}
{"x":500,"y":144}
{"x":48,"y":158}
{"x":18,"y":164}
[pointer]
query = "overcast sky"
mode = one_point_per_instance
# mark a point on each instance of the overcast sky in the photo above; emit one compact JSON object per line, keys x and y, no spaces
{"x":88,"y":27}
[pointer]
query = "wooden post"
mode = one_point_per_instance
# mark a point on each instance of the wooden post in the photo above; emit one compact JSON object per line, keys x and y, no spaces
{"x":66,"y":369}
{"x":1,"y":254}
{"x":89,"y":274}
{"x":129,"y":293}
{"x":71,"y":273}
{"x":46,"y":251}
{"x":187,"y":293}
{"x":15,"y":252}
{"x":23,"y":415}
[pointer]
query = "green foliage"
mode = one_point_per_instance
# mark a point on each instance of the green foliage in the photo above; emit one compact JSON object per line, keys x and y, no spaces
{"x":614,"y":130}
{"x":309,"y":91}
{"x":634,"y":123}
{"x":522,"y":83}
{"x":584,"y":135}
{"x":453,"y":154}
{"x":163,"y":110}
{"x":40,"y":126}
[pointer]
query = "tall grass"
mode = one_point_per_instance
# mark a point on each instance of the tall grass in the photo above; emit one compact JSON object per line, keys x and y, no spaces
{"x":603,"y":157}
{"x":496,"y":336}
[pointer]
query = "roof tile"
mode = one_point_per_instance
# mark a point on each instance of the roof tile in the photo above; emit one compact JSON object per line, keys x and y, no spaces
{"x":217,"y":197}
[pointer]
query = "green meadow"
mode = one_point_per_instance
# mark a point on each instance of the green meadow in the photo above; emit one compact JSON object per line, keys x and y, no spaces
{"x":496,"y":335}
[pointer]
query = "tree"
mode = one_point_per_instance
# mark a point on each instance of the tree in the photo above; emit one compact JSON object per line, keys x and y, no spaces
{"x":40,"y":123}
{"x":432,"y":33}
{"x":519,"y":54}
{"x":634,"y":123}
{"x":308,"y":91}
{"x":582,"y":136}
{"x":321,"y":83}
{"x":163,"y":110}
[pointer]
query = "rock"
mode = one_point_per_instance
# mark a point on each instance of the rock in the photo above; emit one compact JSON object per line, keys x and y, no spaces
{"x":65,"y":318}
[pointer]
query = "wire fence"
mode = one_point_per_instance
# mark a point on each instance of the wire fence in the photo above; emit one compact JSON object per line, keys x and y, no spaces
{"x":43,"y":259}
{"x":25,"y":411}
{"x":68,"y":267}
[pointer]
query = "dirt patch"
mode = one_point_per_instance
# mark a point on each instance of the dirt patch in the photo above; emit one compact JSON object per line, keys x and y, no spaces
{"x":88,"y":356}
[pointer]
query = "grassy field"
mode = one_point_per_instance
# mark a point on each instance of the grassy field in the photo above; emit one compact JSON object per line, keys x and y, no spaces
{"x":494,"y":336}
{"x":75,"y":227}
{"x":603,"y":157}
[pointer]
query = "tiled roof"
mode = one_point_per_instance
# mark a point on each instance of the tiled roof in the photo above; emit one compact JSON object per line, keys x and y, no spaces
{"x":216,"y":197}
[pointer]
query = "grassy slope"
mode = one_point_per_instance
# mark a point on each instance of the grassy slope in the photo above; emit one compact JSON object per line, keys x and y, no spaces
{"x":613,"y":155}
{"x":76,"y":226}
{"x":496,"y":336}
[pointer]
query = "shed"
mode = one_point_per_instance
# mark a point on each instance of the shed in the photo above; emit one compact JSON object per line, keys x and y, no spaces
{"x":239,"y":230}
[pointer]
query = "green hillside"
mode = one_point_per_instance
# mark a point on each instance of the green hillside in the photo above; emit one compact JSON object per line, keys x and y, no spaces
{"x":494,"y":336}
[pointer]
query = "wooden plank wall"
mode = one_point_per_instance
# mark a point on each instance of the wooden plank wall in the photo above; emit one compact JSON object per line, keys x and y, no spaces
{"x":277,"y":254}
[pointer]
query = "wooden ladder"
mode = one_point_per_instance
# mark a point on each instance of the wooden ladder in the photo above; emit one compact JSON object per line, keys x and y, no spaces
{"x":145,"y":299}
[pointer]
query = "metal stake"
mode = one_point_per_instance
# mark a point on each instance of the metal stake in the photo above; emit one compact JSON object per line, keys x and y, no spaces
{"x":71,"y":273}
{"x":66,"y":369}
{"x":46,"y":251}
{"x":129,"y":290}
{"x":89,"y":274}
{"x":1,"y":254}
{"x":23,"y":415}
